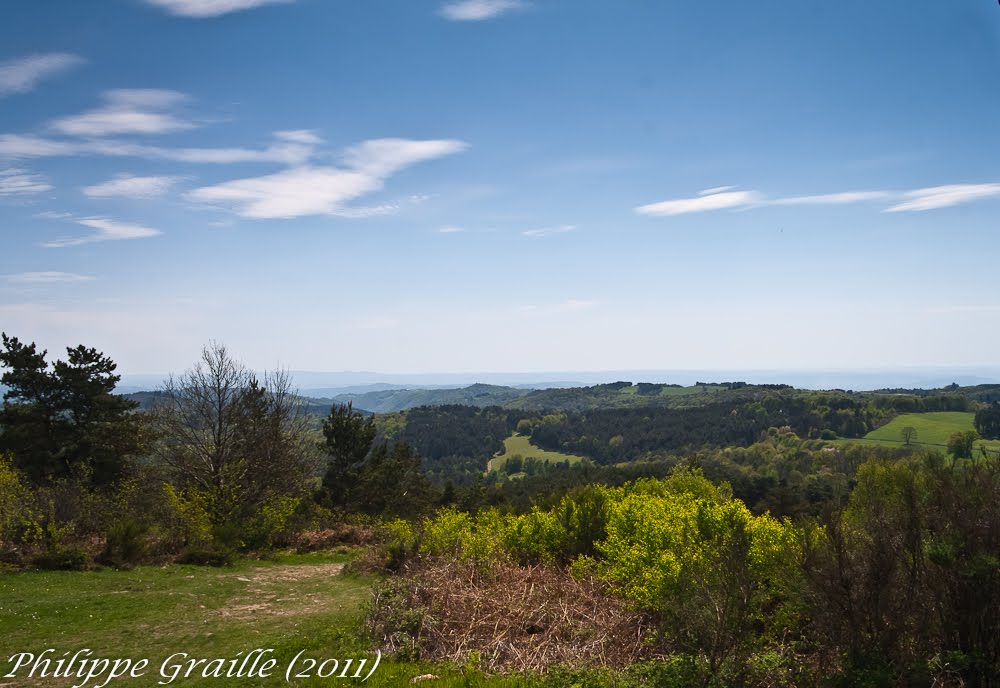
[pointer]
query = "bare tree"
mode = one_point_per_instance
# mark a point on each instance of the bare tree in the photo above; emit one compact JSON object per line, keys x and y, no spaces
{"x":233,"y":435}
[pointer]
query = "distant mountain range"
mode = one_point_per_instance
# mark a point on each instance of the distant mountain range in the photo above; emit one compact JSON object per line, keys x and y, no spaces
{"x":329,"y":385}
{"x":391,"y":400}
{"x":384,"y":393}
{"x":615,"y":395}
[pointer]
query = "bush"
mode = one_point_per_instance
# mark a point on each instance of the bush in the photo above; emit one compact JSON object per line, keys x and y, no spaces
{"x":62,"y":559}
{"x":673,"y":671}
{"x":189,"y":516}
{"x":269,"y":525}
{"x":19,"y":523}
{"x":709,"y":569}
{"x":534,"y":538}
{"x":209,"y":556}
{"x":125,"y":544}
{"x":396,"y":545}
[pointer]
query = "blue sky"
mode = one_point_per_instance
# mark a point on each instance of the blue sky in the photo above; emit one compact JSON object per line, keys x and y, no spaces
{"x":501,"y":185}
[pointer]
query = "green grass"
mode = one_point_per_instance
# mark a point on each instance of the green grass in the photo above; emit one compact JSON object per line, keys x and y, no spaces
{"x":291,"y":604}
{"x":519,"y":444}
{"x":933,"y":430}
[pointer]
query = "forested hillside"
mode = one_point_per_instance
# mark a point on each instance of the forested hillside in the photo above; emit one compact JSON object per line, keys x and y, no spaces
{"x":456,"y":442}
{"x":387,"y":401}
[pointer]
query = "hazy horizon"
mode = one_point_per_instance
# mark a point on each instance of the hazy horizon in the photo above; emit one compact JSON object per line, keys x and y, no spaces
{"x":859,"y":380}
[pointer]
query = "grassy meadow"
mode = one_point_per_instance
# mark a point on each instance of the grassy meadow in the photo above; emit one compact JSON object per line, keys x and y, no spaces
{"x":933,"y":430}
{"x":519,"y":445}
{"x":294,"y":603}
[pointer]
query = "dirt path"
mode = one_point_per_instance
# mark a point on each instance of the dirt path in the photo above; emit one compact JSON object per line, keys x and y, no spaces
{"x":283,"y":591}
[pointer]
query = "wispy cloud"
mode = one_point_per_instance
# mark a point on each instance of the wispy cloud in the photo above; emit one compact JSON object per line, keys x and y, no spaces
{"x":313,"y":190}
{"x":715,"y":190}
{"x":450,"y":229}
{"x":201,"y":9}
{"x":23,"y":74}
{"x":105,"y":229}
{"x":304,"y":136}
{"x":833,"y":198}
{"x":127,"y":111}
{"x":382,"y":157}
{"x":935,"y":197}
{"x":548,"y":231}
{"x":14,"y":181}
{"x":29,"y":146}
{"x":127,"y":186}
{"x":47,"y":277}
{"x":709,"y":200}
{"x":723,"y":197}
{"x":290,"y":193}
{"x":478,"y":10}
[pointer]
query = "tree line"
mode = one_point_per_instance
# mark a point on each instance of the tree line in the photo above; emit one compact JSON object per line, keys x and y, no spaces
{"x":223,"y":460}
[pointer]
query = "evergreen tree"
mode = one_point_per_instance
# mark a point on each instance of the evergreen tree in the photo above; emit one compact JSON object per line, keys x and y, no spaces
{"x":349,"y":436}
{"x":65,"y":420}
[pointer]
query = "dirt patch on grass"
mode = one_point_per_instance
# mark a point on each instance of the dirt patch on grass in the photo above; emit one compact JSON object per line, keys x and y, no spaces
{"x":283,"y":591}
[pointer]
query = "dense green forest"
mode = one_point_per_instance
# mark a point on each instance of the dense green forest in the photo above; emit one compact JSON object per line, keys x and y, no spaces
{"x":456,"y":442}
{"x":735,"y":537}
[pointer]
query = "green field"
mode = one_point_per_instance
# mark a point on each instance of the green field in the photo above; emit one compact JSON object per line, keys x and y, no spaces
{"x":933,"y":430}
{"x":521,"y":445}
{"x":293,"y":604}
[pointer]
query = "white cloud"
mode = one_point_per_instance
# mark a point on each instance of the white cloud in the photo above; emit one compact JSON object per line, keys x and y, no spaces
{"x":936,"y":197}
{"x":833,"y":199}
{"x":23,"y":74}
{"x":106,"y":229}
{"x":16,"y":181}
{"x":450,"y":229}
{"x":21,"y":146}
{"x":308,"y":190}
{"x":723,"y":197}
{"x":700,"y":204}
{"x":201,"y":9}
{"x":715,"y":190}
{"x":284,"y":153}
{"x":371,"y":211}
{"x":47,"y":277}
{"x":290,"y":193}
{"x":127,"y":111}
{"x":127,"y":186}
{"x":383,"y":157}
{"x":478,"y":10}
{"x":548,"y":231}
{"x":305,"y":136}
{"x":28,"y":146}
